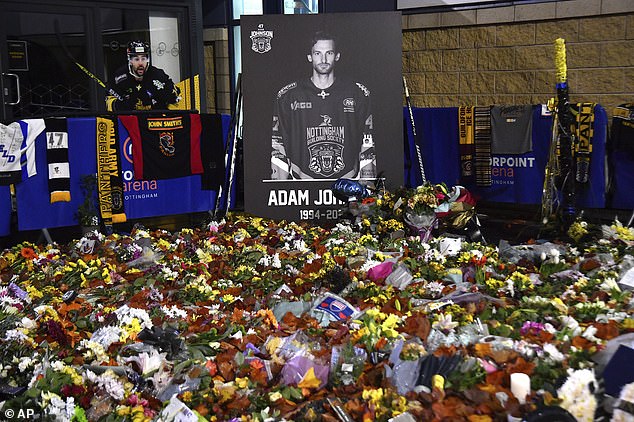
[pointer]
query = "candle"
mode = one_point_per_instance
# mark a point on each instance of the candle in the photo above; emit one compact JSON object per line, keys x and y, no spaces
{"x":520,"y":386}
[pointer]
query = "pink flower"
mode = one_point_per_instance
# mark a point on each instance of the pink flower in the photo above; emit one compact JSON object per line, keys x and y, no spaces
{"x":380,"y":271}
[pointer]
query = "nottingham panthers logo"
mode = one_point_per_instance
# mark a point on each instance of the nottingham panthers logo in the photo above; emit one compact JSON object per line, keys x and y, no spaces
{"x":166,"y":144}
{"x":325,"y":146}
{"x":117,"y":198}
{"x":261,"y":40}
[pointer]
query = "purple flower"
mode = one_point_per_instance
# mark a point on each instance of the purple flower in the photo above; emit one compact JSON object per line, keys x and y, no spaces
{"x":531,"y":327}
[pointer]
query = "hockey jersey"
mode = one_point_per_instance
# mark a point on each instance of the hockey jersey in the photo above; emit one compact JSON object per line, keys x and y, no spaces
{"x":17,"y":148}
{"x":155,"y":91}
{"x":164,"y":147}
{"x":322,"y":133}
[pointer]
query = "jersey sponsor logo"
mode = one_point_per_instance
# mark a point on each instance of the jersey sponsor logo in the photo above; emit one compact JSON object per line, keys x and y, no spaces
{"x":161,"y":123}
{"x":158,"y":84}
{"x":348,"y":105}
{"x":120,"y":78}
{"x":261,"y":39}
{"x":285,"y":89}
{"x":166,"y":144}
{"x":363,"y":88}
{"x":301,"y":105}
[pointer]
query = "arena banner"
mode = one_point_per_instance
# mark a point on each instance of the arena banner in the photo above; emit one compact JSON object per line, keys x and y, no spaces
{"x":322,"y":101}
{"x":35,"y":210}
{"x":142,"y":198}
{"x":151,"y":198}
{"x":516,"y":178}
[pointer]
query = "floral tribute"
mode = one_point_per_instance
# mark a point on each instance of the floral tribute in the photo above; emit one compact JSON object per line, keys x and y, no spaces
{"x":248,"y":319}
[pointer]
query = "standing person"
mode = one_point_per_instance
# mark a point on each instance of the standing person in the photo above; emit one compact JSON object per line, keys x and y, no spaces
{"x":322,"y":125}
{"x":139,"y":85}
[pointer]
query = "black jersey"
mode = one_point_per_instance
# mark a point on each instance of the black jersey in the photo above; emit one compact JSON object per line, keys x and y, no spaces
{"x":322,"y":133}
{"x":623,"y":129}
{"x":155,"y":91}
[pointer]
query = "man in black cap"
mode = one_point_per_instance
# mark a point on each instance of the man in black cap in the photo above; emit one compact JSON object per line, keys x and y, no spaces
{"x":139,"y":85}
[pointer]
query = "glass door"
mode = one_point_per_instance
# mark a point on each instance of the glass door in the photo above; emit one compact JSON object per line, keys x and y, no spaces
{"x":45,"y":62}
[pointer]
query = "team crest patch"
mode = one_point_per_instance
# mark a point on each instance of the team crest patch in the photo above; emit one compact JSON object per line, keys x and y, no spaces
{"x":166,"y":144}
{"x":326,"y":159}
{"x":261,"y":39}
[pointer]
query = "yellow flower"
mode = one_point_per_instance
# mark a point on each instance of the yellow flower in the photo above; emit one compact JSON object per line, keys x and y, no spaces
{"x":275,"y":396}
{"x":628,"y":324}
{"x":228,"y":298}
{"x":559,"y":305}
{"x":34,"y":293}
{"x":242,"y":382}
{"x":123,"y":410}
{"x":373,"y":395}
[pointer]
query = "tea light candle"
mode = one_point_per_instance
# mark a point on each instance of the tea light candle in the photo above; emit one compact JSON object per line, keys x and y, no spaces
{"x":520,"y":386}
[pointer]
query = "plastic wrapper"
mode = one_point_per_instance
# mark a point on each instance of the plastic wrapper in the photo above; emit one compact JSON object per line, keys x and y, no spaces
{"x":285,"y":348}
{"x":404,"y":374}
{"x":148,"y":258}
{"x":463,"y":336}
{"x":296,"y":308}
{"x":167,"y":341}
{"x":437,"y":365}
{"x":532,"y":253}
{"x":176,"y":410}
{"x":297,"y":367}
{"x":400,"y":277}
{"x":346,"y":364}
{"x":173,"y":388}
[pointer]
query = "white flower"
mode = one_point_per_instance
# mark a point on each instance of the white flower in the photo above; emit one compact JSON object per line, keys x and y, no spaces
{"x":571,"y":324}
{"x":552,"y":354}
{"x":445,"y":323}
{"x":108,"y":382}
{"x":27,"y":323}
{"x":589,"y":334}
{"x":576,"y":394}
{"x":125,"y":315}
{"x":434,"y":288}
{"x":174,"y":312}
{"x":627,"y":394}
{"x":94,"y":349}
{"x":17,"y":335}
{"x":105,"y":336}
{"x":25,"y":363}
{"x":148,"y":362}
{"x":610,"y":284}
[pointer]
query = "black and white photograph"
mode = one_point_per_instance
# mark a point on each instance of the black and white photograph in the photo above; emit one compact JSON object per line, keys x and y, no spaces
{"x":322,"y":102}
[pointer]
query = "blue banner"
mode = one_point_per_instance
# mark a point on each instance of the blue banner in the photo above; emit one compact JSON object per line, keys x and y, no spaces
{"x":142,"y":198}
{"x":35,"y":210}
{"x":5,"y":211}
{"x":515,"y":178}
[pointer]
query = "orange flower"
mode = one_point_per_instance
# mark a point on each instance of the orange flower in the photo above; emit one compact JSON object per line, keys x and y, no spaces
{"x":28,"y":253}
{"x":256,"y":364}
{"x":211,"y":367}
